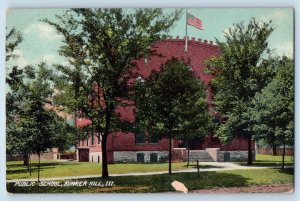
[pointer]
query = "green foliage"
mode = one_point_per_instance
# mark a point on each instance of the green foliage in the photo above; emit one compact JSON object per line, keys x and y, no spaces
{"x":31,"y":128}
{"x":273,"y":107}
{"x":13,"y":39}
{"x":101,"y":46}
{"x":171,"y":103}
{"x":239,"y":73}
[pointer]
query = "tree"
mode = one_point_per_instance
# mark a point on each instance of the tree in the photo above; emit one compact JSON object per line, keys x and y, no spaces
{"x":273,"y":108}
{"x":33,"y":128}
{"x":238,"y":76}
{"x":171,"y":103}
{"x":13,"y":39}
{"x":109,"y":41}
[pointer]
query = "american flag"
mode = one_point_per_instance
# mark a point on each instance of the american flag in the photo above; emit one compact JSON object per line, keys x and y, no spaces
{"x":194,"y":21}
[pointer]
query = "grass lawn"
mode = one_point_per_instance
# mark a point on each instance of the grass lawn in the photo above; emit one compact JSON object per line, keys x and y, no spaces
{"x":162,"y":183}
{"x":269,"y":160}
{"x":16,"y":169}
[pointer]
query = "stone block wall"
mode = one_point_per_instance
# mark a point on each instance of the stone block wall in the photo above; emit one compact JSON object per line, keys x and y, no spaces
{"x":229,"y":156}
{"x":209,"y":155}
{"x":132,"y":156}
{"x":215,"y":155}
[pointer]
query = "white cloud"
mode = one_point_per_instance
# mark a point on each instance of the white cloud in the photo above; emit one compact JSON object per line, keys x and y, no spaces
{"x":43,"y":30}
{"x":22,"y":61}
{"x":49,"y":58}
{"x":285,"y":49}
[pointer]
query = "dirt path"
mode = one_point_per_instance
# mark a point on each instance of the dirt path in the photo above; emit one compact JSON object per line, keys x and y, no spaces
{"x":277,"y":188}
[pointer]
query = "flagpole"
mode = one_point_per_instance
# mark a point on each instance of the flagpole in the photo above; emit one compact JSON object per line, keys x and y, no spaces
{"x":186,"y":40}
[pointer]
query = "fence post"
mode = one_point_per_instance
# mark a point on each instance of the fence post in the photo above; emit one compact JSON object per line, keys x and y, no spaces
{"x":198,"y":167}
{"x":188,"y":158}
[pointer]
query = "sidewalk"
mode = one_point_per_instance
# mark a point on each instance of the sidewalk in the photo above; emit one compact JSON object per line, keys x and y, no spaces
{"x":220,"y":167}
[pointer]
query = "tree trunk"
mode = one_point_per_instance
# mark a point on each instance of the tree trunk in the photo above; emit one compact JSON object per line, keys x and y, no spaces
{"x":104,"y":157}
{"x":274,"y":150}
{"x":104,"y":139}
{"x":76,"y":133}
{"x":249,"y":150}
{"x":29,"y":166}
{"x":283,"y":155}
{"x":170,"y":155}
{"x":26,"y":159}
{"x":39,"y":164}
{"x":188,"y":156}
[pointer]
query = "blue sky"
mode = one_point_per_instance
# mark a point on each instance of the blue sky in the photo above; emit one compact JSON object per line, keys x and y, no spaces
{"x":41,"y":41}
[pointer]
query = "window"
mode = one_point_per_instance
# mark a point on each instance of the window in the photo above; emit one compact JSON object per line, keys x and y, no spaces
{"x":153,"y":139}
{"x":92,"y":132}
{"x":140,"y":158}
{"x":82,"y":137}
{"x":153,"y":158}
{"x":87,"y":138}
{"x":226,"y":156}
{"x":99,"y":136}
{"x":140,"y":138}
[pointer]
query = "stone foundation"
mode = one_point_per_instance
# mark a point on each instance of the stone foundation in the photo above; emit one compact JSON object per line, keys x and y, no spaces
{"x":140,"y":156}
{"x":215,"y":155}
{"x":228,"y":156}
{"x":208,"y":155}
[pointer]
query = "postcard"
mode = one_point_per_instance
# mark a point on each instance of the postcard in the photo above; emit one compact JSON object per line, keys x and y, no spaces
{"x":150,"y":100}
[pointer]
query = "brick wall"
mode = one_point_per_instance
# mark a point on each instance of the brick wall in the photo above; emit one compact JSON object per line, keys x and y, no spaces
{"x":119,"y":141}
{"x":69,"y":156}
{"x":179,"y":154}
{"x":198,"y":52}
{"x":44,"y":156}
{"x":269,"y":151}
{"x":214,"y":142}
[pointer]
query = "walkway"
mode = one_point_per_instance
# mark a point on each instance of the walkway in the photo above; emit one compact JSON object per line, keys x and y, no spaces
{"x":218,"y":166}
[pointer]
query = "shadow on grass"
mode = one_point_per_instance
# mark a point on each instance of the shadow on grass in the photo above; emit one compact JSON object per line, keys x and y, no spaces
{"x":204,"y":166}
{"x":140,"y":184}
{"x":25,"y":170}
{"x":265,"y":164}
{"x":42,"y":164}
{"x":289,"y":171}
{"x":21,"y":169}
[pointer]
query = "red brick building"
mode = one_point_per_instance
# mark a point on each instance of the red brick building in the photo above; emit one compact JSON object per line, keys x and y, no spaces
{"x":134,"y":147}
